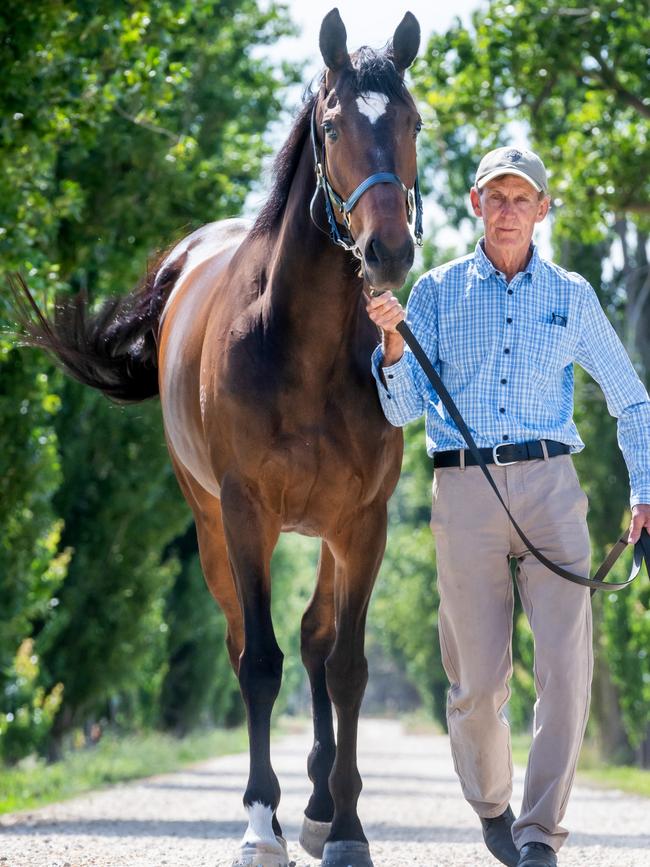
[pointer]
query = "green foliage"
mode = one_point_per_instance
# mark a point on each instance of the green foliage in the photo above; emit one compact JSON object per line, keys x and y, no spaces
{"x":522,"y":696}
{"x":32,"y":566}
{"x":404,"y":611}
{"x":575,"y":75}
{"x":34,"y":782}
{"x":294,"y":570}
{"x":592,"y":770}
{"x":124,"y":126}
{"x":199,"y":687}
{"x":626,"y":643}
{"x":120,"y":507}
{"x":28,"y":710}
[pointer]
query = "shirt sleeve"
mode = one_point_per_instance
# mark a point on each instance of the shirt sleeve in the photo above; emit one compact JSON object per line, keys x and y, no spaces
{"x":407,"y":392}
{"x":603,"y":356}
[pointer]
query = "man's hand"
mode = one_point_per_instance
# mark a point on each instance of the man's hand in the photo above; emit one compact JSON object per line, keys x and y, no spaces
{"x":640,"y":519}
{"x":386,"y":312}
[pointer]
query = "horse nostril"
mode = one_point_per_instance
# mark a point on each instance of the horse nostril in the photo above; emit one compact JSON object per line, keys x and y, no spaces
{"x":377,"y":253}
{"x":373,"y":252}
{"x":407,"y":253}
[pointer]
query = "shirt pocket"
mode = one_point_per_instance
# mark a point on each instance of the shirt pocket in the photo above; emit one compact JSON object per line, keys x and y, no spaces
{"x":547,"y":349}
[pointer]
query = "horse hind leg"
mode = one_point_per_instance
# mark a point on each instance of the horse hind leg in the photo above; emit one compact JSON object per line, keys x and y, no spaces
{"x":358,"y":555}
{"x":317,"y":638}
{"x":251,"y":535}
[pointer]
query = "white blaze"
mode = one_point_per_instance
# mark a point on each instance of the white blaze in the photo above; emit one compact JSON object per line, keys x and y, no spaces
{"x":373,"y":105}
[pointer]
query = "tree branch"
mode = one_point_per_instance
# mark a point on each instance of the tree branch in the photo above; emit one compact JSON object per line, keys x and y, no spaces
{"x":608,"y":76}
{"x":545,"y":93}
{"x":152,"y":127}
{"x":632,"y":207}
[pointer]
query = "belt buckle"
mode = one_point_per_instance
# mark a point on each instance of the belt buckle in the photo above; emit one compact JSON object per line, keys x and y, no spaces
{"x":495,"y":455}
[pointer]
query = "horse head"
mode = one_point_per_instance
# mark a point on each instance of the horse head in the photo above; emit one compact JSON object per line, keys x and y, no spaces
{"x":364,"y":129}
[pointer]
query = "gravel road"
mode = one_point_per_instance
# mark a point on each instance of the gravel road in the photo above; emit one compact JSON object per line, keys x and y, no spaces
{"x":411,"y":807}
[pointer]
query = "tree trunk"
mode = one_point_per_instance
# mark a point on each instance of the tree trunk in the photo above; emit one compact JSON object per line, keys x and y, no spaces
{"x":613,"y":744}
{"x":643,"y":751}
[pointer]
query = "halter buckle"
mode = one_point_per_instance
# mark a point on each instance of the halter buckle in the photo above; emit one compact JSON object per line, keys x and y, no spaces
{"x":410,"y":202}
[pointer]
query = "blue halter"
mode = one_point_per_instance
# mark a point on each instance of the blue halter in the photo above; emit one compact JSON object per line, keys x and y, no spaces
{"x":344,"y":207}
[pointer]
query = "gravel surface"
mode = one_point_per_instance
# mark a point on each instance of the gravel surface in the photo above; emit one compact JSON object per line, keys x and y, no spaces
{"x":411,"y":807}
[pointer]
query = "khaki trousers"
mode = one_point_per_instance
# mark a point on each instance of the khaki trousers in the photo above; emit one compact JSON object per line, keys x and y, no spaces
{"x":474,"y":541}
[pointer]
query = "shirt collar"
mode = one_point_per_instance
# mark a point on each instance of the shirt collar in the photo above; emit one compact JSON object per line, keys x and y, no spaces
{"x":485,"y":268}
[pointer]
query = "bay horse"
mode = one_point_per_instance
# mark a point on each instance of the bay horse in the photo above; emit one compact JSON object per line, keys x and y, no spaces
{"x":257,"y":341}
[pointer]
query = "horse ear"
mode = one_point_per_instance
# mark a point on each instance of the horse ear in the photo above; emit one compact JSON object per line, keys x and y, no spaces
{"x":406,"y":42}
{"x":332,"y":42}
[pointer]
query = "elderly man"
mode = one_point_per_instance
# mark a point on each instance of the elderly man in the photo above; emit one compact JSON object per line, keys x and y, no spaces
{"x":503,"y":327}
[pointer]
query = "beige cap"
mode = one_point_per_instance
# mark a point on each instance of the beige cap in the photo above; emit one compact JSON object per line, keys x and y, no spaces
{"x":512,"y":161}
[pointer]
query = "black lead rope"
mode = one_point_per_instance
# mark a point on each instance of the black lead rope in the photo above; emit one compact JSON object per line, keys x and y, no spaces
{"x":641,"y":548}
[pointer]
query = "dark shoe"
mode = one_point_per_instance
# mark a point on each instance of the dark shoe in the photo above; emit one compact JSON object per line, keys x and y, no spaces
{"x":537,"y":855}
{"x":498,"y":838}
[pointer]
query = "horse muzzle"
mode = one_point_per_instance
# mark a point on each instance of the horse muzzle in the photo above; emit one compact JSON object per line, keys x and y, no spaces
{"x":386,"y":266}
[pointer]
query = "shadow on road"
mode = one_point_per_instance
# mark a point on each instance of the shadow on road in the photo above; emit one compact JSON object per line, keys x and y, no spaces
{"x":209,"y":830}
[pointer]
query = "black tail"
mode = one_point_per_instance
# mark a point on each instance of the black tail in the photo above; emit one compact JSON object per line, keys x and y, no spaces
{"x":113,"y":349}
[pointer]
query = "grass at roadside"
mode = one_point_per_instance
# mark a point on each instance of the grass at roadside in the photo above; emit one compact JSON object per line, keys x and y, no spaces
{"x":34,"y":783}
{"x":592,"y":771}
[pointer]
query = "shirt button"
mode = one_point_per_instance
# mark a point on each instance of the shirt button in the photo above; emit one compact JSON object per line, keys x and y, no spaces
{"x":509,"y":291}
{"x":389,"y":396}
{"x":503,"y":381}
{"x":506,"y":437}
{"x":506,"y":351}
{"x":509,"y":320}
{"x":390,"y":376}
{"x":502,"y":409}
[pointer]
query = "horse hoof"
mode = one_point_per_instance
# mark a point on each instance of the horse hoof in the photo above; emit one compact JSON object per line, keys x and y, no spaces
{"x":313,"y":835}
{"x":263,"y":854}
{"x":346,"y":853}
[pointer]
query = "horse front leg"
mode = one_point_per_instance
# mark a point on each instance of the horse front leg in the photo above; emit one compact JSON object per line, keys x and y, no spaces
{"x":358,"y":552}
{"x":251,"y":535}
{"x":317,"y":639}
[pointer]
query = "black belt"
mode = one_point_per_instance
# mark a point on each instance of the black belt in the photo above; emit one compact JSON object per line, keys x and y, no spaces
{"x":503,"y":454}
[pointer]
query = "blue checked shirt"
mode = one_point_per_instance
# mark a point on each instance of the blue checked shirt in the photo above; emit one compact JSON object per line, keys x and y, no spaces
{"x":505,"y":352}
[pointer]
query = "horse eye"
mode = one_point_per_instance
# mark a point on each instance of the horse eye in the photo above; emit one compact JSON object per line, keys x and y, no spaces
{"x":418,"y":127}
{"x":330,"y":132}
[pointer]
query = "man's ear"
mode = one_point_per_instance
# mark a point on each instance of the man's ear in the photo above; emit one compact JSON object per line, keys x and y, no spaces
{"x":475,"y":199}
{"x":543,"y":209}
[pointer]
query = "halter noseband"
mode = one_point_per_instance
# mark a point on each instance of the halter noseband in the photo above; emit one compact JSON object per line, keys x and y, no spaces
{"x":332,"y":198}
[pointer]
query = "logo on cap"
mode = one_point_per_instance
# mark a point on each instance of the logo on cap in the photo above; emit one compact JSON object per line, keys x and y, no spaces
{"x":514,"y":156}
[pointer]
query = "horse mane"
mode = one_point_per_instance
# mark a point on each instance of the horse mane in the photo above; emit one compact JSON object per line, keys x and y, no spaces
{"x":371,"y":71}
{"x":374,"y":71}
{"x":285,"y":167}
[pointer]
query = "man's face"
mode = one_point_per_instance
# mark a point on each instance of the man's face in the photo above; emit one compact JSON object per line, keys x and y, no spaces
{"x":509,"y":207}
